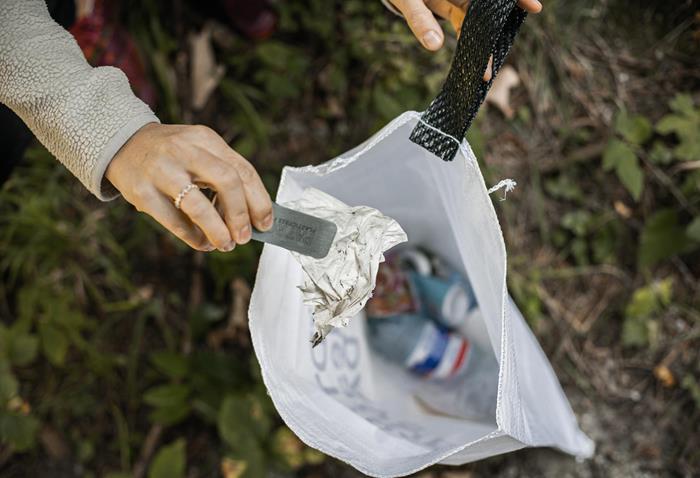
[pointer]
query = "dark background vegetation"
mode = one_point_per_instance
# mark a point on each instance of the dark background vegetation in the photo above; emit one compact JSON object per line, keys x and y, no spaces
{"x":124,"y":353}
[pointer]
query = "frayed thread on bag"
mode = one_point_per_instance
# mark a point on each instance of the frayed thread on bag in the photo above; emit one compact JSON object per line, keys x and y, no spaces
{"x":508,"y":184}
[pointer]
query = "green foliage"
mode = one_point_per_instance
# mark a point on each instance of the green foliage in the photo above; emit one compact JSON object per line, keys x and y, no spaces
{"x":292,"y":451}
{"x":639,"y":325}
{"x":8,"y":386}
{"x":170,"y":403}
{"x":18,"y":430}
{"x":245,"y":427}
{"x":668,"y":228}
{"x":640,"y":237}
{"x":19,"y":348}
{"x":620,"y":157}
{"x":633,"y":132}
{"x":169,"y":461}
{"x":170,"y":363}
{"x":54,"y":343}
{"x":635,"y":129}
{"x":684,"y":123}
{"x":663,"y":237}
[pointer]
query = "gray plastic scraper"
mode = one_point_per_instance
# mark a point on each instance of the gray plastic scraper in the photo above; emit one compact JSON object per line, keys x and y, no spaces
{"x":299,"y":232}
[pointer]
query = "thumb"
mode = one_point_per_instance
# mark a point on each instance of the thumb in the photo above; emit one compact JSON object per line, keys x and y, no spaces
{"x":422,"y":22}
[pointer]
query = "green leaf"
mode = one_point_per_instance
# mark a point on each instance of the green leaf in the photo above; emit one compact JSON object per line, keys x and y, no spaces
{"x":631,"y":175}
{"x":167,"y":395}
{"x":289,"y":448}
{"x":616,"y":151}
{"x":275,"y":54}
{"x":54,"y":343}
{"x":8,"y":386}
{"x":645,"y":303}
{"x":664,"y":291}
{"x":674,"y":124}
{"x":232,"y":421}
{"x":605,"y":242}
{"x":662,"y":237}
{"x":171,"y":414}
{"x":650,"y":299}
{"x":22,"y":348}
{"x":683,"y":103}
{"x":18,"y":430}
{"x":685,"y":124}
{"x":244,"y":428}
{"x":577,"y":221}
{"x":171,"y":364}
{"x":169,"y":462}
{"x":689,"y":149}
{"x":242,"y":419}
{"x":635,"y":332}
{"x":634,"y":128}
{"x":660,"y":154}
{"x":564,"y":187}
{"x":170,"y":402}
{"x":621,"y":157}
{"x":693,"y":229}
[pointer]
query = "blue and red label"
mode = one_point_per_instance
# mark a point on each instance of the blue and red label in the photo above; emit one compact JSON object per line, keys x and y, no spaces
{"x":438,"y":354}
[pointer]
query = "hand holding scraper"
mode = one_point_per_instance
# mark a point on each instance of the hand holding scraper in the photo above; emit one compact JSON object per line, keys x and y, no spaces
{"x":339,"y":248}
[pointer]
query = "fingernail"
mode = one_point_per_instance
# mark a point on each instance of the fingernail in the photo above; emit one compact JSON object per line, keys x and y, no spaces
{"x":267,"y":222}
{"x":209,"y":248}
{"x":244,"y":233}
{"x":230,"y":246}
{"x":432,"y":40}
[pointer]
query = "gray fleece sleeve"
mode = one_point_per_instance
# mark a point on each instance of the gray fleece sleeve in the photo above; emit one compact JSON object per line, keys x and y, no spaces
{"x":83,"y":115}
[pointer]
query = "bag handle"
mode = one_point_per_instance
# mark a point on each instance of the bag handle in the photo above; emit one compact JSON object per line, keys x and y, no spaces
{"x":489,"y":28}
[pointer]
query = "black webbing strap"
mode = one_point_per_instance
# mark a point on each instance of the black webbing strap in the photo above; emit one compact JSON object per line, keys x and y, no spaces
{"x":489,"y":28}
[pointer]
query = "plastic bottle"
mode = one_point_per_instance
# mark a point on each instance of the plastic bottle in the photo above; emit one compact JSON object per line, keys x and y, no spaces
{"x":420,"y":345}
{"x":445,"y":295}
{"x":448,"y":301}
{"x":461,"y":379}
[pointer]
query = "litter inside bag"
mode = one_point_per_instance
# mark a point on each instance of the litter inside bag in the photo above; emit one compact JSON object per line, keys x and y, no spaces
{"x":416,"y":320}
{"x":347,"y":401}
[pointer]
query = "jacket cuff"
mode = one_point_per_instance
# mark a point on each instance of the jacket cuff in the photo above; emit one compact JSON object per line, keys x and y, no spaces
{"x":99,"y":185}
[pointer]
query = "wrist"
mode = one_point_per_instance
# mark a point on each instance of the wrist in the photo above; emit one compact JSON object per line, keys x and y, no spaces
{"x":115,"y":166}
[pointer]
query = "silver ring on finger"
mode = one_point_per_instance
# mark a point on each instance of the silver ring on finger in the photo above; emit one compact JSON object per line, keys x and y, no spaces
{"x":181,"y":195}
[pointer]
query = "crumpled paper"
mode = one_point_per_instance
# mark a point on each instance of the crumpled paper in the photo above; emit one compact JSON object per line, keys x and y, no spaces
{"x":338,"y":285}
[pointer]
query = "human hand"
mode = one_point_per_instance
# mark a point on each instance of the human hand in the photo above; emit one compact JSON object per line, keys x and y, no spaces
{"x":159,"y":161}
{"x":420,"y":16}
